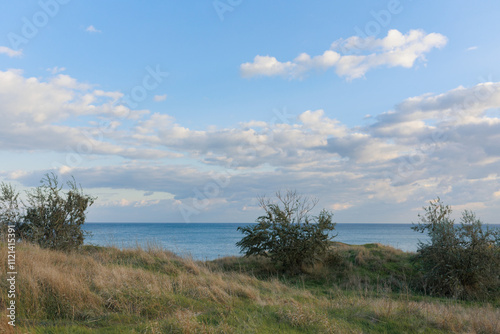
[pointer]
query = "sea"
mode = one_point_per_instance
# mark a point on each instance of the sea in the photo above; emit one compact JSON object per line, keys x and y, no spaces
{"x":209,"y":241}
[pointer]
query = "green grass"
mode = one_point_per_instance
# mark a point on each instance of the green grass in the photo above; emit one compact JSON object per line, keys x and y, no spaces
{"x":357,"y":289}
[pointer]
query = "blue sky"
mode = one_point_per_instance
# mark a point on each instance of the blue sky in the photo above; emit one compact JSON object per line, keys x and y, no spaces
{"x":177,"y":111}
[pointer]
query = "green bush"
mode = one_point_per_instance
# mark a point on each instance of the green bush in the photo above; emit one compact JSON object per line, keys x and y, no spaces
{"x":49,"y":217}
{"x":287,"y":234}
{"x":10,"y":210}
{"x":460,"y":260}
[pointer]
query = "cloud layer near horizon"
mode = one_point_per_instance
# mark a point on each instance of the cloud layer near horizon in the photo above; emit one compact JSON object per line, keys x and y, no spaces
{"x":352,"y":57}
{"x":434,"y":144}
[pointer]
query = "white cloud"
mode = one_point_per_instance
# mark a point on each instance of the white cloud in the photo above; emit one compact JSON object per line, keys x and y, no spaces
{"x":341,"y":206}
{"x":474,"y":206}
{"x":266,"y":65}
{"x":159,"y":98}
{"x":56,"y":69}
{"x":35,"y":116}
{"x":394,"y":50}
{"x":92,"y":29}
{"x":471,"y":48}
{"x":432,"y":144}
{"x":9,"y":52}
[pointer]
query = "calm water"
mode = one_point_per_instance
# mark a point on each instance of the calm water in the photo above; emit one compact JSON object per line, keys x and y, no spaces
{"x":210,"y":241}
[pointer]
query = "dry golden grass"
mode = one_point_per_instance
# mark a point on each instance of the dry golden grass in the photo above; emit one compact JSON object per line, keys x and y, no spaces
{"x":448,"y":316}
{"x":81,"y":286}
{"x":168,"y":294}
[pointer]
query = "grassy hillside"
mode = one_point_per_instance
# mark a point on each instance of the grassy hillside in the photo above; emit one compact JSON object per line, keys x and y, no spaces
{"x":358,"y":289}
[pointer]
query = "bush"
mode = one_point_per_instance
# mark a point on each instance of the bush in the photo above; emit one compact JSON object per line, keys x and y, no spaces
{"x":50,"y":217}
{"x":461,"y":261}
{"x":10,"y":211}
{"x":287,"y":234}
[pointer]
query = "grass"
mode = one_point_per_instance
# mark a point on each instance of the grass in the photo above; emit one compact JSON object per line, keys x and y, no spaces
{"x":358,"y":289}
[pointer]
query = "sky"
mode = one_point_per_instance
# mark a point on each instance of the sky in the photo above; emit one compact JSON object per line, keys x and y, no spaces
{"x":188,"y":111}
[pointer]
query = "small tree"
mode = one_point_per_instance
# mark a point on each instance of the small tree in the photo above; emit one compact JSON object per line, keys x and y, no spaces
{"x":286,"y":233}
{"x":458,"y":260}
{"x":50,"y":217}
{"x":10,"y":210}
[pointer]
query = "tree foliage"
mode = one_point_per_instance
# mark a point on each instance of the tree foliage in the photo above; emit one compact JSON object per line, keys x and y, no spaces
{"x":49,"y":216}
{"x":286,"y":233}
{"x":459,"y":260}
{"x":10,"y":209}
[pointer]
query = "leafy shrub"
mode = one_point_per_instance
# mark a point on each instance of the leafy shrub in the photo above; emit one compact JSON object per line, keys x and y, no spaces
{"x":287,"y":234}
{"x":50,"y":217}
{"x":10,"y":210}
{"x":461,"y":261}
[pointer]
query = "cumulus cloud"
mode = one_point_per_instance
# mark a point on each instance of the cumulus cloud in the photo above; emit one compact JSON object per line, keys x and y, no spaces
{"x":56,"y":69}
{"x":92,"y":29}
{"x":9,"y":52}
{"x":159,"y":98}
{"x":427,"y":145}
{"x":352,"y":57}
{"x":266,"y":66}
{"x":433,"y":144}
{"x":36,"y":115}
